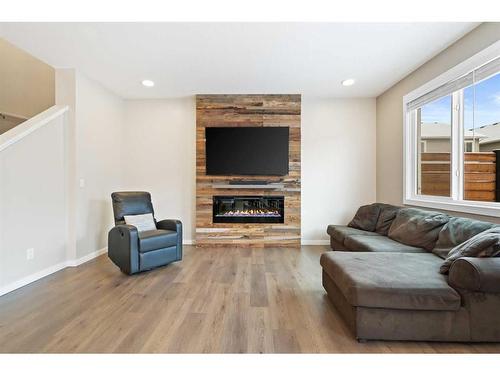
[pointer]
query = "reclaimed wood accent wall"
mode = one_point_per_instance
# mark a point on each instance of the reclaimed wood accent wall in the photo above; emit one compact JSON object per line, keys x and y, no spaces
{"x":248,"y":111}
{"x":479,"y":175}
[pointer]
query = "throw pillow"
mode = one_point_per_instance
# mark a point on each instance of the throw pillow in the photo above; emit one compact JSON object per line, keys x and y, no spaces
{"x":366,"y":217}
{"x":484,"y":244}
{"x":457,"y":231}
{"x":141,"y":222}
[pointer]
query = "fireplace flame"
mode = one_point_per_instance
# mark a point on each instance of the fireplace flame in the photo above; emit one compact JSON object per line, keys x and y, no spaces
{"x":251,"y":212}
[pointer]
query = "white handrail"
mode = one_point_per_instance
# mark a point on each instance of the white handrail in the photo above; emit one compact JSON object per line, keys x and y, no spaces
{"x":29,"y":126}
{"x":13,"y":115}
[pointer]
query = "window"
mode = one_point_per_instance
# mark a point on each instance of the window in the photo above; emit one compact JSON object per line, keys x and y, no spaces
{"x":481,"y":127}
{"x":434,"y":128}
{"x":469,"y":146}
{"x":452,"y":138}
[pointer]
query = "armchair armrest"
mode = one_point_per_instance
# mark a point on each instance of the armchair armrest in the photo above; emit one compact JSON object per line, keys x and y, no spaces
{"x":175,"y":225}
{"x":170,"y":224}
{"x":476,"y":274}
{"x":123,"y":247}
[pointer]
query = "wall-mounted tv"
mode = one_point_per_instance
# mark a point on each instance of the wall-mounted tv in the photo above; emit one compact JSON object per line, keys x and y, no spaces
{"x":247,"y":151}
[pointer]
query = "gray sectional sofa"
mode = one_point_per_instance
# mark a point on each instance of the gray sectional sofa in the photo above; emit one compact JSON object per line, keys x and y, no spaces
{"x":387,"y":276}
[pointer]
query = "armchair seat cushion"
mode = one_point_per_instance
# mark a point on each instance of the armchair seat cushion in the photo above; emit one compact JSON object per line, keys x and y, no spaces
{"x":156,"y":239}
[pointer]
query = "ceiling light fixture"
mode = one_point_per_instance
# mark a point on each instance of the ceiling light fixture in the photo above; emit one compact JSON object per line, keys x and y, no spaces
{"x":348,"y":82}
{"x":148,"y":83}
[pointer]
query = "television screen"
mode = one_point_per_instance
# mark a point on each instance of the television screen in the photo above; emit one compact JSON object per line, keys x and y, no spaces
{"x":247,"y":151}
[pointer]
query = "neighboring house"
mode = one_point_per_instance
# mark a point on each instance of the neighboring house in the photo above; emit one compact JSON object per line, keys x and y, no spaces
{"x":492,"y":137}
{"x":436,"y":137}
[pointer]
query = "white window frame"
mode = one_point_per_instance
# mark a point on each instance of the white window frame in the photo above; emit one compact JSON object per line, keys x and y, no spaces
{"x":410,"y":166}
{"x":423,"y":142}
{"x":469,"y":142}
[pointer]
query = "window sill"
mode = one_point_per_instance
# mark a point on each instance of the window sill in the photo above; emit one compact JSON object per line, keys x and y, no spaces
{"x":476,"y":208}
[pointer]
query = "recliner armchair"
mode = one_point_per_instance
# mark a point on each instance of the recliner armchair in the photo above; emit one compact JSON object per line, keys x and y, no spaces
{"x":135,"y":251}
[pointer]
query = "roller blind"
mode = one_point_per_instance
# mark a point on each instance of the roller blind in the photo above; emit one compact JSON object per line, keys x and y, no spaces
{"x":487,"y":70}
{"x":441,"y":91}
{"x":469,"y":79}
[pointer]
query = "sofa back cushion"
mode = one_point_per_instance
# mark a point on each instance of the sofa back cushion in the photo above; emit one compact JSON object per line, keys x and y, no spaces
{"x":387,"y":215}
{"x":456,"y":231}
{"x":417,"y":227}
{"x":366,"y":217}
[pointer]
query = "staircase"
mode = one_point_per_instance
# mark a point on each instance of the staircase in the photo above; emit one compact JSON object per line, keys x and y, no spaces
{"x":9,"y":121}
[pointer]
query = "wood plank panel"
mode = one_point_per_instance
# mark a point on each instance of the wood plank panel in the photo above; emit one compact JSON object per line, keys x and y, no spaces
{"x":258,"y":111}
{"x":473,"y":195}
{"x":479,"y":175}
{"x":480,"y":156}
{"x":480,"y":167}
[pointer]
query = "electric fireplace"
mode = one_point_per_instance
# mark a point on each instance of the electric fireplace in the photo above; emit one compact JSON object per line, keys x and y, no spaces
{"x":248,"y":209}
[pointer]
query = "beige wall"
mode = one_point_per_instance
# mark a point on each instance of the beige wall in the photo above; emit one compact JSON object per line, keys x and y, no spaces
{"x":99,"y":150}
{"x":160,"y":157}
{"x":32,"y":204}
{"x":390,"y":108}
{"x":26,"y":84}
{"x":40,"y":183}
{"x":95,"y":149}
{"x":338,"y":162}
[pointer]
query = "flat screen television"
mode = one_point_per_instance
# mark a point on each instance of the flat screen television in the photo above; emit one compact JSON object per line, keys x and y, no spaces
{"x":259,"y":151}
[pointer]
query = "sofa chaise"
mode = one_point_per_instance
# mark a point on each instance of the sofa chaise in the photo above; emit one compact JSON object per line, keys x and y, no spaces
{"x":386,"y":283}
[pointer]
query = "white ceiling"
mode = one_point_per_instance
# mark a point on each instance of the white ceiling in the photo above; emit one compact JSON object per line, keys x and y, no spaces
{"x":193,"y":58}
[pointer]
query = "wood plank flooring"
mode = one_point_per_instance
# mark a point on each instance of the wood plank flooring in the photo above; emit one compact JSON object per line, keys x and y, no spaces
{"x":221,"y":300}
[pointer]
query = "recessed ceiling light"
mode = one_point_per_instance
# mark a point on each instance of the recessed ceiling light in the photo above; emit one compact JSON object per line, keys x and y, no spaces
{"x":148,"y":83}
{"x":348,"y":82}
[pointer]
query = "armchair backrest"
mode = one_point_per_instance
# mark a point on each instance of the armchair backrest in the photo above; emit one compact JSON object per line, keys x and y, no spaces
{"x":131,"y":203}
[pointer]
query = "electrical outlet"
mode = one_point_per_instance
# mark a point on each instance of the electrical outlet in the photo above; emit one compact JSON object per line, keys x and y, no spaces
{"x":30,"y":253}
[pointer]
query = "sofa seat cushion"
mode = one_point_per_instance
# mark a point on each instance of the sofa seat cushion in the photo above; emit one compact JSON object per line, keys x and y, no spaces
{"x":341,"y":232}
{"x":378,"y":244}
{"x":391,"y":280}
{"x":156,"y":239}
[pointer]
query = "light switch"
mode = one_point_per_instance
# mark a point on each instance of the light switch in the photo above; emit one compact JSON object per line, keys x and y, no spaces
{"x":82,"y":183}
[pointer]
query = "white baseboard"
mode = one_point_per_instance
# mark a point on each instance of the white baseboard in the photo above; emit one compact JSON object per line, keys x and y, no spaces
{"x":48,"y":271}
{"x":33,"y":277}
{"x":86,"y":258}
{"x":315,"y":242}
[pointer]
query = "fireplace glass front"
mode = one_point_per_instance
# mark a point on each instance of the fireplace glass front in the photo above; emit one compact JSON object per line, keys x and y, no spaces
{"x":248,"y":209}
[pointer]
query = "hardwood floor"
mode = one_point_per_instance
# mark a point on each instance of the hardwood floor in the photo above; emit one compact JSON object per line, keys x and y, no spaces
{"x":245,"y":300}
